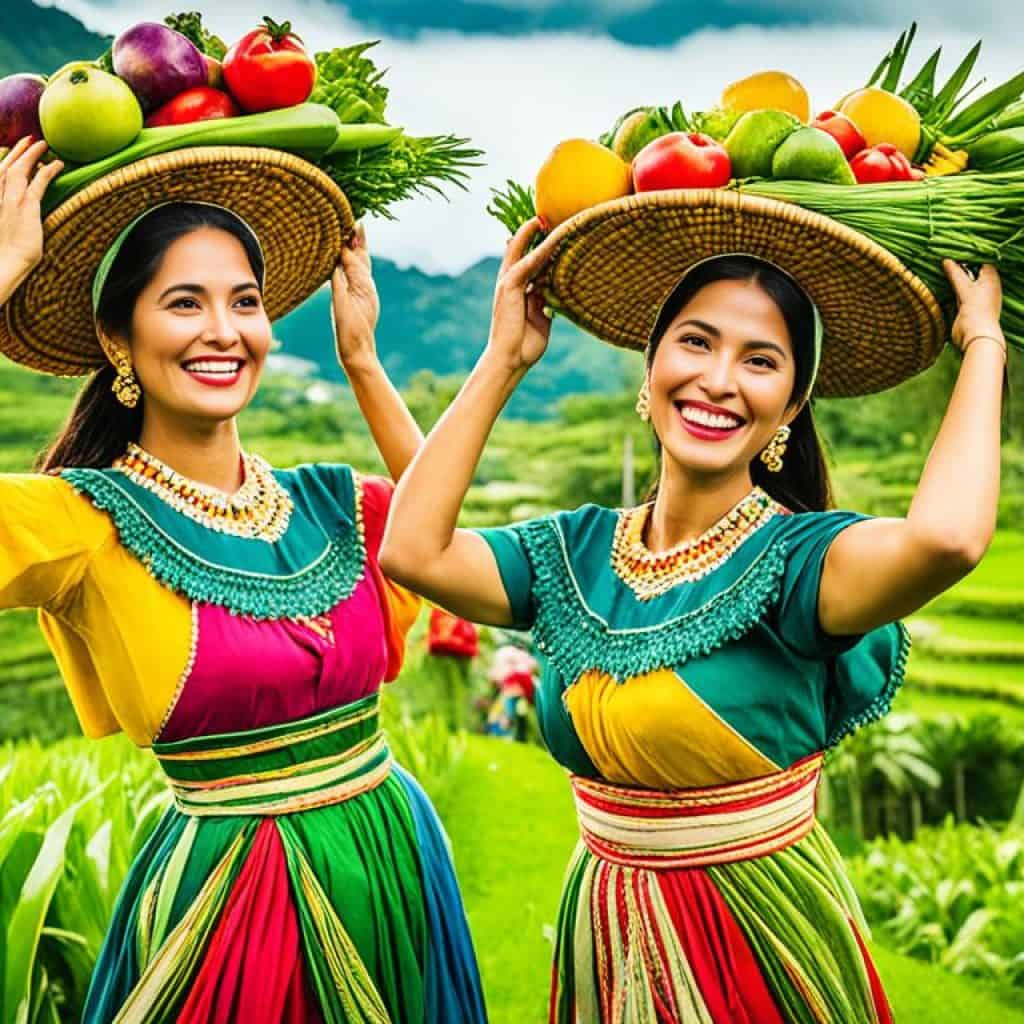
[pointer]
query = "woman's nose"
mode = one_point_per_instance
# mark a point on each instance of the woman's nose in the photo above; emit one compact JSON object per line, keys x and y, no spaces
{"x":718,"y":377}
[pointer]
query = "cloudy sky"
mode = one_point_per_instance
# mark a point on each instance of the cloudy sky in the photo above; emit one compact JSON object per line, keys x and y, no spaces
{"x":518,"y":76}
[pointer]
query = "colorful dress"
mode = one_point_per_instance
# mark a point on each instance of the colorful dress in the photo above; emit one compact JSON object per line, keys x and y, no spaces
{"x":691,"y":695}
{"x":300,"y":875}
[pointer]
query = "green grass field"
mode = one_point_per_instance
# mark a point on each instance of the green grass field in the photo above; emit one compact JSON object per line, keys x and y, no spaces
{"x":512,"y":825}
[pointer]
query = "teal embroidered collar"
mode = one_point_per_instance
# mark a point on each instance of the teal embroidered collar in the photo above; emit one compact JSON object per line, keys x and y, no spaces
{"x":316,"y":563}
{"x":576,"y":639}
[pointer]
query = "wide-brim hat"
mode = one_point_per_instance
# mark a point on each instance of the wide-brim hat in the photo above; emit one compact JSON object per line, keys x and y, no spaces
{"x":615,"y":264}
{"x":301,"y":218}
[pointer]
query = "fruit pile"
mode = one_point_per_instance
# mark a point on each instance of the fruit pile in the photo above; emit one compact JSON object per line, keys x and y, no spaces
{"x":762,"y":129}
{"x":167,"y":86}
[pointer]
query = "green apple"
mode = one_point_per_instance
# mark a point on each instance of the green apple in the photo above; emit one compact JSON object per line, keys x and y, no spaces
{"x":70,"y":66}
{"x":86,"y":114}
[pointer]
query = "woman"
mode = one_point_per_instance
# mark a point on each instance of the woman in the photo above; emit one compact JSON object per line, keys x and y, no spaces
{"x":235,"y":619}
{"x":704,"y":649}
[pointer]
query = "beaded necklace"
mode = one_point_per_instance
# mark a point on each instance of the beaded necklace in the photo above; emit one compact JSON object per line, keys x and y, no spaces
{"x":652,"y":573}
{"x":260,"y":509}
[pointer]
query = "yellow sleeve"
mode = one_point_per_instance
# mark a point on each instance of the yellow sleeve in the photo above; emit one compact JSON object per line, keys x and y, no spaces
{"x":47,"y":533}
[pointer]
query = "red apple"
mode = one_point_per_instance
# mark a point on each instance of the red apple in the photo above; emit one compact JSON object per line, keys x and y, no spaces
{"x":681,"y":160}
{"x":843,"y":130}
{"x":199,"y":104}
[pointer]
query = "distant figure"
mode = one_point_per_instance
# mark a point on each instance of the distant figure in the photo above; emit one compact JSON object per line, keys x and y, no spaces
{"x":513,"y":673}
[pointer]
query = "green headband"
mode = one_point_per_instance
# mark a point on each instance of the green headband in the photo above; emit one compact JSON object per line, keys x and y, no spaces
{"x":103,"y":270}
{"x":819,"y":326}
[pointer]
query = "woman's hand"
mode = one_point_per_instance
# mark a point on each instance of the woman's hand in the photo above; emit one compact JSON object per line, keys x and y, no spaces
{"x":23,"y":181}
{"x":355,"y":306}
{"x":519,"y":326}
{"x":980,"y":302}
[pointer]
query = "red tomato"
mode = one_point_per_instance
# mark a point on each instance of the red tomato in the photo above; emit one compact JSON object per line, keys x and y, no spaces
{"x":268,"y":68}
{"x":843,"y":130}
{"x":681,"y":160}
{"x":881,"y":163}
{"x":197,"y":104}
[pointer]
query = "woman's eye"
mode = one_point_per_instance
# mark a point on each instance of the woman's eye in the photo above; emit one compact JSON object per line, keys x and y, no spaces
{"x":694,"y":339}
{"x":251,"y":301}
{"x":181,"y":304}
{"x":763,"y":362}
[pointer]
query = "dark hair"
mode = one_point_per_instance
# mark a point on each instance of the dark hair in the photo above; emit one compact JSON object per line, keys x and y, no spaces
{"x":803,"y":484}
{"x":99,"y":428}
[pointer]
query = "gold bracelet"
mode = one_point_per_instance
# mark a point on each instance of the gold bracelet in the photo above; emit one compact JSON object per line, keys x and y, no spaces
{"x":990,"y":337}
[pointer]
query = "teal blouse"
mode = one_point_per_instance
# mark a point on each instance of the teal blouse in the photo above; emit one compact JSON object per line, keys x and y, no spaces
{"x":745,"y":638}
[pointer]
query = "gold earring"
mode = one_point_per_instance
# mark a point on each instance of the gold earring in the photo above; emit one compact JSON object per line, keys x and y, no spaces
{"x":771,"y":456}
{"x":643,"y":402}
{"x":125,"y":387}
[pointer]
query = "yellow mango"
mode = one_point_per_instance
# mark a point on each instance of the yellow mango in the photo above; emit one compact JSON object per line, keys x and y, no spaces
{"x":884,"y":117}
{"x":577,"y":175}
{"x":768,"y":90}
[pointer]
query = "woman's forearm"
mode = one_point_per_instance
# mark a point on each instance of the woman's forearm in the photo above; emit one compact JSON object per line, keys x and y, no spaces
{"x":394,"y":431}
{"x":427,"y":501}
{"x":957,"y":496}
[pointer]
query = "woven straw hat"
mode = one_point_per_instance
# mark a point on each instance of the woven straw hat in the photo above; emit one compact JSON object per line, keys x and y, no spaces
{"x":616,"y":263}
{"x":299,"y":215}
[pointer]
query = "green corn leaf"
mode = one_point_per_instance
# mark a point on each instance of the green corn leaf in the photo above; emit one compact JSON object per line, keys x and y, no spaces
{"x":26,"y":922}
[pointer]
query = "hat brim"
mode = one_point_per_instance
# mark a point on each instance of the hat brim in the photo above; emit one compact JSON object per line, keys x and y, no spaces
{"x":615,"y":264}
{"x":300,"y":216}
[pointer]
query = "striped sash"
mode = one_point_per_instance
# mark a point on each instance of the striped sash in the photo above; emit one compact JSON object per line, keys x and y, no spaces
{"x":312,"y":762}
{"x":697,"y":827}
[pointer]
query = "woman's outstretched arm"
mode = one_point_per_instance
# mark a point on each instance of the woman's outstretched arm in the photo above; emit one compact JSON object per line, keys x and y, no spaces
{"x":422,"y":548}
{"x":883,"y":569}
{"x":355,"y":309}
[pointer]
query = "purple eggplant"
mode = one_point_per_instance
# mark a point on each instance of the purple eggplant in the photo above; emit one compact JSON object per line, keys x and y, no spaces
{"x":157,"y":62}
{"x":19,"y":107}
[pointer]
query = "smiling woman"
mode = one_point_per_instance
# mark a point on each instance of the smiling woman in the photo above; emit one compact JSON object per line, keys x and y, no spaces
{"x":230,"y":616}
{"x":704,"y":650}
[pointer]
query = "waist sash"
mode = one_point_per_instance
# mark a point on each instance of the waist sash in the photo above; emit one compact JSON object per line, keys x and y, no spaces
{"x":312,"y":762}
{"x":697,"y":827}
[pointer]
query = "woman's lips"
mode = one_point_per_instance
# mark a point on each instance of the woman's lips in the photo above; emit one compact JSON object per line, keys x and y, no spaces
{"x":703,"y":431}
{"x":204,"y":373}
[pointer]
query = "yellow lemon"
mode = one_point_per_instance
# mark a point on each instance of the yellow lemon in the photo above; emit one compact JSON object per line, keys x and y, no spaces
{"x":577,"y":175}
{"x":884,"y":117}
{"x":768,"y":90}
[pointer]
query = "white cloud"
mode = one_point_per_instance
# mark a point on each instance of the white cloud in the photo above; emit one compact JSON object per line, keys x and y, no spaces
{"x":517,"y":97}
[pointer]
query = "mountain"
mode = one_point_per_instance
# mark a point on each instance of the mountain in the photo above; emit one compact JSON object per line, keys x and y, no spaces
{"x":41,"y":39}
{"x":439,"y":323}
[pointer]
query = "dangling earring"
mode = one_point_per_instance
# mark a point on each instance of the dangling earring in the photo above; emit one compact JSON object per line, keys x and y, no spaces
{"x":771,"y":456}
{"x":643,"y":401}
{"x":125,"y":387}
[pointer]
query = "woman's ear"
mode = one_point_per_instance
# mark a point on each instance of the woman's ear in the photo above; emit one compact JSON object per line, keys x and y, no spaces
{"x":114,"y":349}
{"x":792,"y":411}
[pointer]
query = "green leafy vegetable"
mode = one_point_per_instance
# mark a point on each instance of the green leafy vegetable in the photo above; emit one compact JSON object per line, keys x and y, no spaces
{"x":350,"y":84}
{"x":373,"y":179}
{"x":513,"y":206}
{"x":190,"y":25}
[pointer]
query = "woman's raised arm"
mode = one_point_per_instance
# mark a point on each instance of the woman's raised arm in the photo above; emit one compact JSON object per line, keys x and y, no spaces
{"x":355,"y":309}
{"x":883,"y":569}
{"x":422,"y":548}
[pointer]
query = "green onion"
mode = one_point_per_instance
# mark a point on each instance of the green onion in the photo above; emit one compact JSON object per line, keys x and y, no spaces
{"x":972,"y":218}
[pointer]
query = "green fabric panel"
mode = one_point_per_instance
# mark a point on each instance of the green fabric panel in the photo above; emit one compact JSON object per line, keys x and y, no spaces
{"x":366,"y":857}
{"x":268,"y":760}
{"x":565,"y":937}
{"x":753,"y":687}
{"x":516,"y":573}
{"x":791,"y":896}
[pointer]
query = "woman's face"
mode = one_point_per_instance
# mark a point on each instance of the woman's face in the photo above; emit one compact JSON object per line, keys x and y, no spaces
{"x":200,"y":334}
{"x":721,"y":379}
